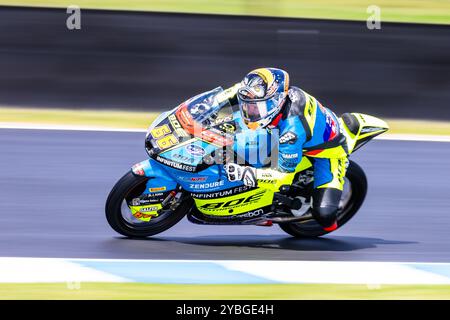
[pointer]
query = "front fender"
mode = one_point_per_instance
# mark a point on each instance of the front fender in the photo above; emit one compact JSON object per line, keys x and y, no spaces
{"x":152,"y":169}
{"x":148,"y":168}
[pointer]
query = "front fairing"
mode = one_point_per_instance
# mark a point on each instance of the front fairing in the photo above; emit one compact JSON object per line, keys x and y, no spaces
{"x":207,"y":116}
{"x":185,"y":142}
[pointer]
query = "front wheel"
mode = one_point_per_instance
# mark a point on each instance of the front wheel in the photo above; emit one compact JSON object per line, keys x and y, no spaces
{"x":355,"y":189}
{"x":122,"y":221}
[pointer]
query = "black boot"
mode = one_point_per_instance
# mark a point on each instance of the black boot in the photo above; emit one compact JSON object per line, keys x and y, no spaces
{"x":325,"y":206}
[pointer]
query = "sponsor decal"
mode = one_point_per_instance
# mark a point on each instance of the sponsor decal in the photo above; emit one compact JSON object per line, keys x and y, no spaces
{"x":144,"y":202}
{"x":228,"y":127}
{"x":157,"y":189}
{"x":233,"y":203}
{"x":186,"y":116}
{"x":149,"y":209}
{"x":198,"y":179}
{"x":193,"y":179}
{"x":140,"y":215}
{"x":216,"y":137}
{"x":369,"y":129}
{"x":288,"y":137}
{"x":177,"y":128}
{"x":220,"y":194}
{"x":175,"y":165}
{"x":160,"y":194}
{"x":138,"y":169}
{"x":251,"y":214}
{"x":195,"y":150}
{"x":174,"y":122}
{"x":267,"y":181}
{"x":207,"y":185}
{"x":289,"y":155}
{"x":266,"y":175}
{"x":226,"y":118}
{"x":184,"y":158}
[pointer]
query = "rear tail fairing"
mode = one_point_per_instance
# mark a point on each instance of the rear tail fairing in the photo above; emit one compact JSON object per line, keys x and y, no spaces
{"x":361,"y":128}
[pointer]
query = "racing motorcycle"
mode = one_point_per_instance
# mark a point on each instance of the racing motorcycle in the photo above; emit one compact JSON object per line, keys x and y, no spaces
{"x":188,"y":148}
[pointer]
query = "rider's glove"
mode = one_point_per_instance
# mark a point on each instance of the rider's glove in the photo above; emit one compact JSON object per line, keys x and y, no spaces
{"x":236,"y":172}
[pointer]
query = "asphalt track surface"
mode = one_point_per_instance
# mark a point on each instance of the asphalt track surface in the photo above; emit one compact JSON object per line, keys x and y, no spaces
{"x":154,"y":61}
{"x":53,"y":186}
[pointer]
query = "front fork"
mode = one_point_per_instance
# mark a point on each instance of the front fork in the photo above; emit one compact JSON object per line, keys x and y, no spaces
{"x":160,"y":190}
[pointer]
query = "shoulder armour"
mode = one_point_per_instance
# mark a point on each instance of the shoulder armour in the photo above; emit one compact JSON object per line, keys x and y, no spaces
{"x":298,"y":101}
{"x":296,"y":108}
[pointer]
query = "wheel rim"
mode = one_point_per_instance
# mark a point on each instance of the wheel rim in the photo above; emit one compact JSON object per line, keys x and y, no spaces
{"x":134,"y":223}
{"x":127,"y":217}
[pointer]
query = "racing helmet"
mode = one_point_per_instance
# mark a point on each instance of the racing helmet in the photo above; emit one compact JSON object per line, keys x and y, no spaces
{"x":262,"y":95}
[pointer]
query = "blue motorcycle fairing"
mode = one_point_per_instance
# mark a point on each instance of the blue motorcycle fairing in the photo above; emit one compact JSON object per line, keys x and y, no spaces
{"x":165,"y":179}
{"x":211,"y":179}
{"x":247,"y":144}
{"x":161,"y":182}
{"x":191,"y":154}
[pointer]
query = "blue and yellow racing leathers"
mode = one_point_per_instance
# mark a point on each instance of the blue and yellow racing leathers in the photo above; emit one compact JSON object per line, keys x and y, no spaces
{"x":309,"y":129}
{"x":306,"y":128}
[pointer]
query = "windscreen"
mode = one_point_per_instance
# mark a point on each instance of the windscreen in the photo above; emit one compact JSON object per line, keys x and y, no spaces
{"x":210,"y":108}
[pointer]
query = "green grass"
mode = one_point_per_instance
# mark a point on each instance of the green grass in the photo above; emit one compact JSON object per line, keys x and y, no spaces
{"x":398,"y":126}
{"x":141,"y":120}
{"x":107,"y":118}
{"x":219,"y":292}
{"x":425,"y":11}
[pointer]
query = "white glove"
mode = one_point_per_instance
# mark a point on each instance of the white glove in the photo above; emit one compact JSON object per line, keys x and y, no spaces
{"x":236,"y":172}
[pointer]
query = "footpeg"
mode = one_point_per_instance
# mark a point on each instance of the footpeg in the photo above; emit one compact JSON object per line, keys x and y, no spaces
{"x":292,"y":203}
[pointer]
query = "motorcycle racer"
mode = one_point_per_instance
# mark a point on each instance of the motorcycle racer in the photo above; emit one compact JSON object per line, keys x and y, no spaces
{"x":306,"y":128}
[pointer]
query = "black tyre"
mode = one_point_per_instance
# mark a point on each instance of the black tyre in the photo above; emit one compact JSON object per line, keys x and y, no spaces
{"x":130,"y":186}
{"x":356,"y":182}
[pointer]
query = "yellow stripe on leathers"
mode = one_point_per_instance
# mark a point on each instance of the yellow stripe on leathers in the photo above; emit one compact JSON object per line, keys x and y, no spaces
{"x":310,"y":111}
{"x":337,"y":169}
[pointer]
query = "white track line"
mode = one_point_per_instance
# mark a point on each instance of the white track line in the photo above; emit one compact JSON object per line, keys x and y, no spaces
{"x":413,"y":137}
{"x":31,"y":126}
{"x":28,"y":270}
{"x":210,"y":271}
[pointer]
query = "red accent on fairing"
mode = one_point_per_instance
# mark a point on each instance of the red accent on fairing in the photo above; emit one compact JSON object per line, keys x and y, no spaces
{"x":267,"y":223}
{"x":195,"y":129}
{"x":313,"y":152}
{"x":331,"y":228}
{"x":275,"y":121}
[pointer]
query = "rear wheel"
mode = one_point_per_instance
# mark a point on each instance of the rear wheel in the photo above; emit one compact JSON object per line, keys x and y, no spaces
{"x":355,"y":189}
{"x":119,"y":214}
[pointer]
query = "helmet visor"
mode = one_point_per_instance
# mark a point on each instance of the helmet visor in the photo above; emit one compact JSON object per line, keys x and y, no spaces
{"x":254,"y":111}
{"x":257,"y":109}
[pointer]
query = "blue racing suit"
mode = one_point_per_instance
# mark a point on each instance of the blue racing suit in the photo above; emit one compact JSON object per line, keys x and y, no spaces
{"x":306,"y":128}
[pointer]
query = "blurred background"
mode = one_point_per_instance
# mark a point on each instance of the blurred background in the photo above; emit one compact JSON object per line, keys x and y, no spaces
{"x":151,"y":58}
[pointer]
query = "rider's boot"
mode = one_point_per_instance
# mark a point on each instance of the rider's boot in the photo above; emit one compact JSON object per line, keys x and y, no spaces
{"x":325,"y":206}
